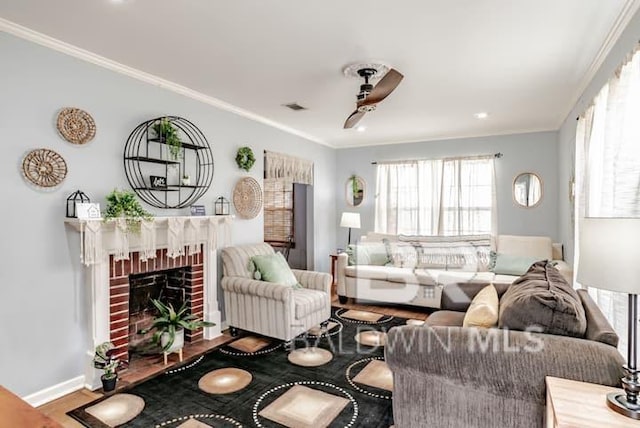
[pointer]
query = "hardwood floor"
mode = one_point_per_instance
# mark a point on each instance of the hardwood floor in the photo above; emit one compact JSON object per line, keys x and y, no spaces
{"x":57,"y":409}
{"x":402,"y":311}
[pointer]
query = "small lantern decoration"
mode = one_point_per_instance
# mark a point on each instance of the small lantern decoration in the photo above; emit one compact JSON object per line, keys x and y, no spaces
{"x":221,"y":206}
{"x":76,"y":197}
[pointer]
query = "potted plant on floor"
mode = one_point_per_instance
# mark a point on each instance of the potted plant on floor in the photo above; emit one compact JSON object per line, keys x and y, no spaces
{"x":170,"y":325}
{"x":103,"y":359}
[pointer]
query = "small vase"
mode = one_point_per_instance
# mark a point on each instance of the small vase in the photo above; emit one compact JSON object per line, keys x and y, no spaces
{"x":173,"y":175}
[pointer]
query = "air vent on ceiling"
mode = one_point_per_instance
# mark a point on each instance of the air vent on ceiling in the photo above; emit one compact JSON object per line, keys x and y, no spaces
{"x":295,"y":106}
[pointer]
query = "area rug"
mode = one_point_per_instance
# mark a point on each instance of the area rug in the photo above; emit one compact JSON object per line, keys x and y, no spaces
{"x":332,"y":378}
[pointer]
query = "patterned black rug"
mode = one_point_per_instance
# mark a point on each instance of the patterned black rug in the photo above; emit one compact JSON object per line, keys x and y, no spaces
{"x":252,"y":382}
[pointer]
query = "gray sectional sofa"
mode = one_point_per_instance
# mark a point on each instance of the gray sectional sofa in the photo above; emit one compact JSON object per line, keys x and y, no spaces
{"x":446,"y":375}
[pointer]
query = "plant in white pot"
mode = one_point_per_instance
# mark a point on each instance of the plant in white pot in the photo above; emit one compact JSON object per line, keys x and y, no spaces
{"x":171,"y":324}
{"x":103,"y":359}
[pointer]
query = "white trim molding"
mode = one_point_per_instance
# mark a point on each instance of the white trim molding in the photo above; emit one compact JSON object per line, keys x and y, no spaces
{"x":56,"y":391}
{"x":88,"y":56}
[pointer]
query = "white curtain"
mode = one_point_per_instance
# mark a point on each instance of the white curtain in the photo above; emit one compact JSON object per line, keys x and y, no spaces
{"x":436,"y":197}
{"x":608,"y":167}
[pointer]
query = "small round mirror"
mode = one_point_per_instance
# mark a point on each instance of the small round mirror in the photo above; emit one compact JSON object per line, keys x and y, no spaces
{"x":355,"y":188}
{"x":527,"y":189}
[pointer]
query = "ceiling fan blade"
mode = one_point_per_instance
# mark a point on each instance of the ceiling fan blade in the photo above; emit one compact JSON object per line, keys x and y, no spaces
{"x":384,"y":87}
{"x":353,"y":119}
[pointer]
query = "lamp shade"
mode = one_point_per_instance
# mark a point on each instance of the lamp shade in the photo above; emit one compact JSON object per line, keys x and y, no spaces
{"x":350,"y":220}
{"x":609,"y":255}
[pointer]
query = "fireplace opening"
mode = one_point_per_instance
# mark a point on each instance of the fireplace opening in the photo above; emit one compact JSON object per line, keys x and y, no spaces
{"x":169,"y":286}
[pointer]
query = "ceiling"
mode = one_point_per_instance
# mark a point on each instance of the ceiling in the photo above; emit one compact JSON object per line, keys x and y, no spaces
{"x":525,"y":63}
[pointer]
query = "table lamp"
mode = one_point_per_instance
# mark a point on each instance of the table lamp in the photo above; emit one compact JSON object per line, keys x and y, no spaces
{"x":350,"y":220}
{"x":609,"y":259}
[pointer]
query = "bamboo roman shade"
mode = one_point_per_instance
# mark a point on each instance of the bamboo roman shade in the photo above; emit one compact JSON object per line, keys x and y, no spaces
{"x":278,"y":210}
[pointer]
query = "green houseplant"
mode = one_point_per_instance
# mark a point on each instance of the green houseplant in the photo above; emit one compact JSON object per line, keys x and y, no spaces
{"x":168,"y":133}
{"x":103,"y":359}
{"x":123,"y":203}
{"x":170,"y":325}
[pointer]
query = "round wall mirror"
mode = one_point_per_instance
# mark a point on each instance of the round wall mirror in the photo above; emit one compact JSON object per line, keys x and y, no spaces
{"x":527,"y":189}
{"x":355,"y":190}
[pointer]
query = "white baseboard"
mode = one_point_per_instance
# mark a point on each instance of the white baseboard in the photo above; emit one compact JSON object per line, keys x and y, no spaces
{"x":56,"y":391}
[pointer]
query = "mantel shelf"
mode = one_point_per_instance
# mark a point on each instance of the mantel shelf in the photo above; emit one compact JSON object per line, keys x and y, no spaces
{"x":78,"y":224}
{"x":178,"y":234}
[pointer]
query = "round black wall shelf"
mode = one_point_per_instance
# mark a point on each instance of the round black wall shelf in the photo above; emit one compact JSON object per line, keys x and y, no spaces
{"x":157,"y":175}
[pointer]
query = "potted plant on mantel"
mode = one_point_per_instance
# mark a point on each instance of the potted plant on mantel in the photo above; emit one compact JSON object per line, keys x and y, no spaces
{"x":123,"y":203}
{"x":170,"y":325}
{"x":103,"y":359}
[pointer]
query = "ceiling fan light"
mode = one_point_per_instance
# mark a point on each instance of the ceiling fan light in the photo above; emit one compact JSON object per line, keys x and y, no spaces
{"x":367,"y":108}
{"x":481,"y":115}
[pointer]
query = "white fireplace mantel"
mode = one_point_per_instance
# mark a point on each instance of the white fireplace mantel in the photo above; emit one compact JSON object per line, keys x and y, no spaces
{"x":179,"y":235}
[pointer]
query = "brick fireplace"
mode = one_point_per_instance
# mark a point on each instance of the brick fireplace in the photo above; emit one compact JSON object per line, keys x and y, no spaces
{"x":111,"y":258}
{"x":123,"y":324}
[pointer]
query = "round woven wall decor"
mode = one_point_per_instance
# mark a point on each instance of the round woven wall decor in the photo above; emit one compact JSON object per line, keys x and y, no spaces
{"x":76,"y":126}
{"x":247,"y":197}
{"x":44,"y":167}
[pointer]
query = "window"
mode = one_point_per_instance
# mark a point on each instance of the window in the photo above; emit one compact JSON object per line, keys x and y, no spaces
{"x":607,"y":173}
{"x":436,"y":197}
{"x":278,"y":211}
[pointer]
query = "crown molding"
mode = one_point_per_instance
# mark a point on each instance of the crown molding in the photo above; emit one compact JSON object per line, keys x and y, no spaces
{"x":627,"y":12}
{"x":430,"y":139}
{"x":93,"y":58}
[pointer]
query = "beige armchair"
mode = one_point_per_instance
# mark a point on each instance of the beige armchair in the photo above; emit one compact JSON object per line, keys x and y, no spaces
{"x":269,"y":309}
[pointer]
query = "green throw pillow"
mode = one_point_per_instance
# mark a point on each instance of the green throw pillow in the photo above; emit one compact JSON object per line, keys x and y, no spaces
{"x":513,"y":265}
{"x":274,"y":268}
{"x":368,"y":254}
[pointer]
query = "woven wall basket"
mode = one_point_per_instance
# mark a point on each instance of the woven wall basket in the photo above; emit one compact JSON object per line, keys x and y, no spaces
{"x":76,"y":126}
{"x":247,"y":198}
{"x":44,"y":167}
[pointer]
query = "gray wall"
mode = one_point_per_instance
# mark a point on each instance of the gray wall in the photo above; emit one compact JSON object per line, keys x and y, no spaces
{"x":567,"y":133}
{"x":43,"y":322}
{"x":534,"y":152}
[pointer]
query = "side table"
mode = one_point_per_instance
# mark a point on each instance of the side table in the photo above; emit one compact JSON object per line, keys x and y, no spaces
{"x":334,"y":283}
{"x":579,"y":404}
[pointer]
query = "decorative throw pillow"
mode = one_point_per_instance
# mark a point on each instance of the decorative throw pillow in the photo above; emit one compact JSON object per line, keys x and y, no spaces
{"x":274,"y":268}
{"x":403,"y":254}
{"x":543,"y":299}
{"x":483,"y":311}
{"x":507,"y":264}
{"x":374,"y":253}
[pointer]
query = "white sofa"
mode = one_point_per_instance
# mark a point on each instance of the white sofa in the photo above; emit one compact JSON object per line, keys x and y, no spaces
{"x":422,"y":286}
